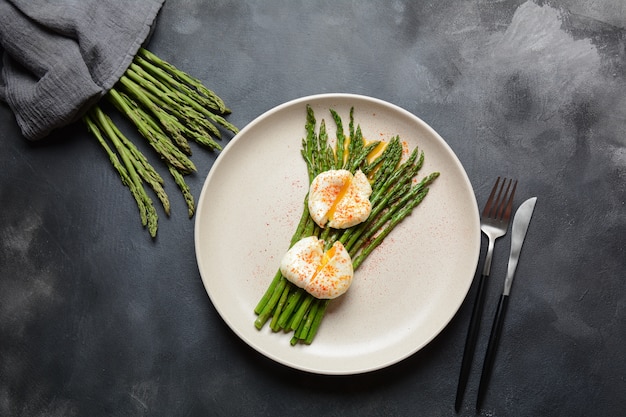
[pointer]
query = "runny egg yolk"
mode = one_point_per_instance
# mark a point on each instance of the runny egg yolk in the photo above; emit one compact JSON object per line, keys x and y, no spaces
{"x":324,"y":275}
{"x":339,"y":199}
{"x":377,"y":151}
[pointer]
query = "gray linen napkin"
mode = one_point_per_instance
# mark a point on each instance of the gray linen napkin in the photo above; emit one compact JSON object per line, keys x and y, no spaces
{"x":61,"y":56}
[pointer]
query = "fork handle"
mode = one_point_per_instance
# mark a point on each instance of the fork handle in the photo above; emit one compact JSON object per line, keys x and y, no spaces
{"x":470,"y":341}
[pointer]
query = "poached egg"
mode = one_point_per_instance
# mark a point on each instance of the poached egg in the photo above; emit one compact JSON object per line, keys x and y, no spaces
{"x":324,"y":275}
{"x":339,"y":199}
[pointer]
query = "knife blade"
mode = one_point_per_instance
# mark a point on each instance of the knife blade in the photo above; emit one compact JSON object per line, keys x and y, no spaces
{"x":521,"y":222}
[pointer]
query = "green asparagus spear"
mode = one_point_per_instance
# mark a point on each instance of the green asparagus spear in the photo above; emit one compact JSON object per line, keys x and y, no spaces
{"x":169,"y":108}
{"x":394,"y":196}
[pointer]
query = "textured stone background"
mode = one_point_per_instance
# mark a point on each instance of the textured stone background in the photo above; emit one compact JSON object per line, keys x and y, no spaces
{"x":96,"y":319}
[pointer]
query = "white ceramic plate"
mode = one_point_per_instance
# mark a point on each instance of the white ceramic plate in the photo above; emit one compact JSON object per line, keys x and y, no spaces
{"x":404,"y":294}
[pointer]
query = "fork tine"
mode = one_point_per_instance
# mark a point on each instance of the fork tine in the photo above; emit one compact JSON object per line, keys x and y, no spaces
{"x":497,"y":209}
{"x":509,"y":204}
{"x":489,"y":202}
{"x":502,"y":201}
{"x":504,"y":205}
{"x":499,"y":205}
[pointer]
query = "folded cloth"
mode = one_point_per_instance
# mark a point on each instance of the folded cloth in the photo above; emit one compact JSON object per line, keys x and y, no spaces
{"x":60,"y":57}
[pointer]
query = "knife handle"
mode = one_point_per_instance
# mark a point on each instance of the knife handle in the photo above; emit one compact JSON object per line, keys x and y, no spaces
{"x":494,"y":337}
{"x":470,"y":341}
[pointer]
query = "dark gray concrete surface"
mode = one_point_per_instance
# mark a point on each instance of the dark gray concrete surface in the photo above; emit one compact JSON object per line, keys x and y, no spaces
{"x":97,"y":319}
